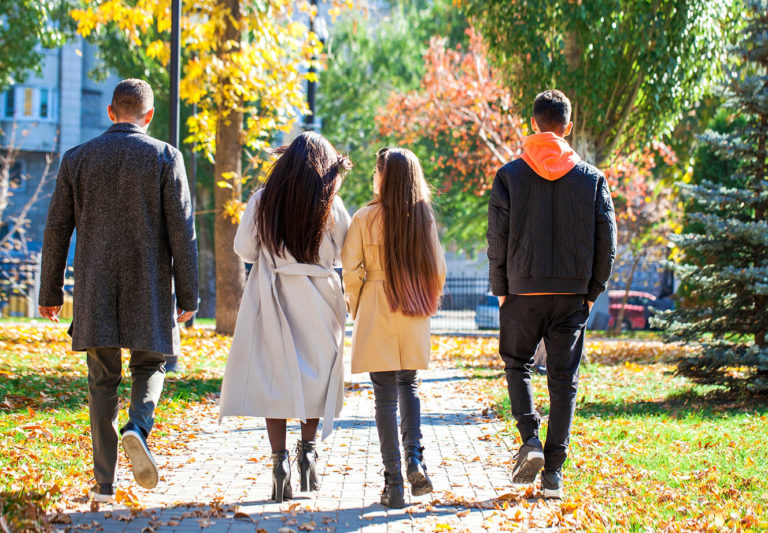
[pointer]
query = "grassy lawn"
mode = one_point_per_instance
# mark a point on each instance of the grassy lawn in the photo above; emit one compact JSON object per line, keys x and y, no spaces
{"x":45,"y":445}
{"x":651,"y":450}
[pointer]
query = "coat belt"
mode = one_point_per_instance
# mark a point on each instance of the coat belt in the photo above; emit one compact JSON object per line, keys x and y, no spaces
{"x":303,"y":269}
{"x":375,"y":275}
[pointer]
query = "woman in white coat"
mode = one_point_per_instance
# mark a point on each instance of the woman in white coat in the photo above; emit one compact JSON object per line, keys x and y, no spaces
{"x":286,"y":355}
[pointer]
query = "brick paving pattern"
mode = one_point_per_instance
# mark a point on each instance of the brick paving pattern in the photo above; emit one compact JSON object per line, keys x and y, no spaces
{"x":228,"y":475}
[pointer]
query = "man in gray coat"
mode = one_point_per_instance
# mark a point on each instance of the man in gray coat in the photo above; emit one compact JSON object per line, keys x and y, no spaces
{"x":127,"y":196}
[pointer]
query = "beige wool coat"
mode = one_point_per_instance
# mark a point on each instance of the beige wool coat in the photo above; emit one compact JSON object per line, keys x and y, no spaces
{"x":286,"y":354}
{"x":382,"y":340}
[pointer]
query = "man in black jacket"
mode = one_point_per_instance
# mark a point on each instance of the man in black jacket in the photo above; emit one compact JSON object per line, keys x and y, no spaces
{"x":551,"y":246}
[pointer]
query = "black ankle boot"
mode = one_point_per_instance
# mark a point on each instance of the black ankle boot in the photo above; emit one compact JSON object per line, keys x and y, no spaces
{"x":393,"y":495}
{"x":307,"y":460}
{"x":281,"y":476}
{"x":416,"y":471}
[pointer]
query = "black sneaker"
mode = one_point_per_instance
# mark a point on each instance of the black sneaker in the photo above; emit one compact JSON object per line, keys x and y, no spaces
{"x":102,"y":493}
{"x":552,"y":485}
{"x":143,"y":465}
{"x":530,"y":461}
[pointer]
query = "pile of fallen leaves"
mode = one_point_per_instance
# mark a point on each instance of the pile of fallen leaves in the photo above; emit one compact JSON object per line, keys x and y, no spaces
{"x":45,"y":445}
{"x":484,"y":351}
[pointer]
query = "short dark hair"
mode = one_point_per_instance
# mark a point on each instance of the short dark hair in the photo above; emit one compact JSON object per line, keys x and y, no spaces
{"x":132,"y":98}
{"x":552,"y":110}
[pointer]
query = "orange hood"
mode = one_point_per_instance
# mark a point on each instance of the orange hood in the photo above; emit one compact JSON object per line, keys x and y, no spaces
{"x":550,"y":156}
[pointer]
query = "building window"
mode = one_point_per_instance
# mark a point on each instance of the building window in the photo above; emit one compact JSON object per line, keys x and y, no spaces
{"x":10,"y":102}
{"x":34,"y":103}
{"x":29,"y":95}
{"x":91,"y":112}
{"x":43,"y":103}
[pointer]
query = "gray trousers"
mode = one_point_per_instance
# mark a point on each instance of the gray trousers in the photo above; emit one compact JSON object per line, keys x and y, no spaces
{"x":104,"y":377}
{"x":388,"y":387}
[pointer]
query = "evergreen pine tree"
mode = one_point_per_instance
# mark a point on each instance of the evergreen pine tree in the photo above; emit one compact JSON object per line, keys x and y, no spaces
{"x":725,"y":258}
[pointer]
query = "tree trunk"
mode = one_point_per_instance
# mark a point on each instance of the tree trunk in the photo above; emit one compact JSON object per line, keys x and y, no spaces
{"x":582,"y":141}
{"x":230,"y":272}
{"x":584,"y":145}
{"x":761,"y":301}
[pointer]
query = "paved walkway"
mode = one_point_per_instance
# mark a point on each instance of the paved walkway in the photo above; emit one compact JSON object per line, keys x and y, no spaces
{"x":224,"y":482}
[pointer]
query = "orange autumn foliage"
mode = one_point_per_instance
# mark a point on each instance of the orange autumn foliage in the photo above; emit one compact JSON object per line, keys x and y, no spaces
{"x":463,"y":109}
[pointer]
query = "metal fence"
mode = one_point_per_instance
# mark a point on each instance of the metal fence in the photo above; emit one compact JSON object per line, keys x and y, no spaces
{"x":20,"y":284}
{"x":468,"y":307}
{"x":465,"y":306}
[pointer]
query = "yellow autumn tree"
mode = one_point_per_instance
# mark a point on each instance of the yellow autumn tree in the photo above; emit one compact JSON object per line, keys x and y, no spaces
{"x":245,"y":67}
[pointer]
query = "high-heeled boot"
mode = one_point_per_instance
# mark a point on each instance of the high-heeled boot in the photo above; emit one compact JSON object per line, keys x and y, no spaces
{"x":416,"y":471}
{"x":393,"y":495}
{"x":281,"y":476}
{"x":307,"y":462}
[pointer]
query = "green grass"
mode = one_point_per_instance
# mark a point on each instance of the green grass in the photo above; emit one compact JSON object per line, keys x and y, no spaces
{"x":654,"y":449}
{"x":631,"y":334}
{"x":31,"y":321}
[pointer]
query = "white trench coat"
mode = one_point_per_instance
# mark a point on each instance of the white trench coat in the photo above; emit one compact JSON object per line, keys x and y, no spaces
{"x":286,"y":354}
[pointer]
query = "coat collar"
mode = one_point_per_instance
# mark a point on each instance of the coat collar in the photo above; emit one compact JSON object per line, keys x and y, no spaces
{"x":127,"y":127}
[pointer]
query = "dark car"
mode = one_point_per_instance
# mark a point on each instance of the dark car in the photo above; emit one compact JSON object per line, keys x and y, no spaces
{"x":638,"y":310}
{"x":487,"y":313}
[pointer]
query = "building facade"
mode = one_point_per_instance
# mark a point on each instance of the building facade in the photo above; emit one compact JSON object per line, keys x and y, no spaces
{"x":49,"y":114}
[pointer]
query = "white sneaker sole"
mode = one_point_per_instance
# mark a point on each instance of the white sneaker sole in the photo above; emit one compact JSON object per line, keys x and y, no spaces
{"x":527,"y":472}
{"x":551,"y":494}
{"x":144,"y":468}
{"x":101,"y":498}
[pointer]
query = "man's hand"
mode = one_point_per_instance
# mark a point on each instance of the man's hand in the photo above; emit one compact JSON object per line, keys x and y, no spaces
{"x":51,"y":313}
{"x":182,"y":315}
{"x":502,"y":299}
{"x":589,"y":305}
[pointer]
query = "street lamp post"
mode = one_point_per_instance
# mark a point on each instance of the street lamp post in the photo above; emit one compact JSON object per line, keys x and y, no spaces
{"x":175,"y":71}
{"x":174,"y":74}
{"x":317,"y":25}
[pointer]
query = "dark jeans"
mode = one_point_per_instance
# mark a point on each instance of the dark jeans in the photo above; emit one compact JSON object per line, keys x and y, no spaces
{"x":104,"y":377}
{"x":387,"y":387}
{"x":560,"y":320}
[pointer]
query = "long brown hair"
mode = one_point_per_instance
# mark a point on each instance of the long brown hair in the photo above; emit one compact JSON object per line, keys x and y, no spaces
{"x":296,"y":203}
{"x":411,"y":246}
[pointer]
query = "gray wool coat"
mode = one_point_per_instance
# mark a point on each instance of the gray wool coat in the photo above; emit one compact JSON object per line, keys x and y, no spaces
{"x":127,"y":196}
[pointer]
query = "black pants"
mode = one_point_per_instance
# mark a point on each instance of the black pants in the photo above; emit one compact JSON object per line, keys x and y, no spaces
{"x":104,"y":377}
{"x":560,"y":320}
{"x":388,"y":387}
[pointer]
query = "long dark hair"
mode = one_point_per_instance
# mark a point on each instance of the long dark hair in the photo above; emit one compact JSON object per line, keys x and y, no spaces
{"x":411,"y":245}
{"x":297,"y":197}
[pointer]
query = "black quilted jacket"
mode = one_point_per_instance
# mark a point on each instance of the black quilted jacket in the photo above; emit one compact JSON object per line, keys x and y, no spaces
{"x":550,"y":236}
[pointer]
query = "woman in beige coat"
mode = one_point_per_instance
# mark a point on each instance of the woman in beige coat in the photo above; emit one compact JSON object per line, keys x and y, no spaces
{"x":394,"y":270}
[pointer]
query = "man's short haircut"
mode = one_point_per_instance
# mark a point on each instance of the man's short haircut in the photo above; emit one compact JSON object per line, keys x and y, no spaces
{"x":132,"y":98}
{"x":552,"y":110}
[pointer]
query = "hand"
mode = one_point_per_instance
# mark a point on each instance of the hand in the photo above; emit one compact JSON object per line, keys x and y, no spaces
{"x":589,"y":305}
{"x":502,"y":299}
{"x":51,"y":313}
{"x":182,"y":315}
